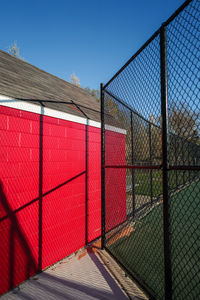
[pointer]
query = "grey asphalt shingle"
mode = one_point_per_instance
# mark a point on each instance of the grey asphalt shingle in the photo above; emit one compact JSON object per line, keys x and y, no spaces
{"x":19,"y":79}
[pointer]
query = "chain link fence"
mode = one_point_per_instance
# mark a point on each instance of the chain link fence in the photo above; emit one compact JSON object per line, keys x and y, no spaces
{"x":153,"y":174}
{"x":50,"y":184}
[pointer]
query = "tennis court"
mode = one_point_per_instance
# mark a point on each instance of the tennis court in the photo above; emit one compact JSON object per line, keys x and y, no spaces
{"x":142,"y":251}
{"x":143,"y":182}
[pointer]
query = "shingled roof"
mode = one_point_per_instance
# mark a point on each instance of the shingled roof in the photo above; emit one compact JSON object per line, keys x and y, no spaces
{"x":21,"y":80}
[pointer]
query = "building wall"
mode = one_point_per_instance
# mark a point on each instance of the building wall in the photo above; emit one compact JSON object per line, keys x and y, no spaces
{"x":43,"y":213}
{"x":115,"y":179}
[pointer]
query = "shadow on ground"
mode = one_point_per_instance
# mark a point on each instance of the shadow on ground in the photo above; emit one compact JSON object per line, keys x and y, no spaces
{"x":75,"y":278}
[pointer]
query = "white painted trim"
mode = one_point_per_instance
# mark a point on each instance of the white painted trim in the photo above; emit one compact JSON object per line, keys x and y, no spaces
{"x":30,"y":107}
{"x":115,"y":129}
{"x":93,"y":123}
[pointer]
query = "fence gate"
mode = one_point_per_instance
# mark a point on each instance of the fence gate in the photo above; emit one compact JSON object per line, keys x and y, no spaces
{"x":151,"y":160}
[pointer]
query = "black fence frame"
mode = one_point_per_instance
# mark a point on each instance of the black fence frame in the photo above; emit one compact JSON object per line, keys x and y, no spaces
{"x":84,"y":115}
{"x":164,"y":167}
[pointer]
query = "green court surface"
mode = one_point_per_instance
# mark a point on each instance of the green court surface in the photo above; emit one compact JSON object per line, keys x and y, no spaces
{"x":142,"y":251}
{"x":143,"y":182}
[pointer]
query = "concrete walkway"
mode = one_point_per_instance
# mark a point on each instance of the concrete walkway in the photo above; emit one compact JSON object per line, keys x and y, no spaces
{"x":83,"y":276}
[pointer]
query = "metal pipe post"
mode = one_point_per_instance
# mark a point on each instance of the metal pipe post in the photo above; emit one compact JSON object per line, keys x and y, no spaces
{"x":164,"y":111}
{"x":183,"y":162}
{"x":40,"y":212}
{"x":188,"y":148}
{"x":102,"y":169}
{"x":176,"y":160}
{"x":86,"y":183}
{"x":150,"y":156}
{"x":133,"y":161}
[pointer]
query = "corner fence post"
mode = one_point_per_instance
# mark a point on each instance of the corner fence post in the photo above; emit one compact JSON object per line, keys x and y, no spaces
{"x":150,"y":158}
{"x":102,"y":169}
{"x":164,"y":112}
{"x":86,"y":182}
{"x":133,"y":162}
{"x":40,"y":209}
{"x":176,"y":160}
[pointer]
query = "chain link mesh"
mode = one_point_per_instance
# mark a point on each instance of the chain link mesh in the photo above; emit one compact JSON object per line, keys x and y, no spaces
{"x":50,"y":189}
{"x":183,"y":58}
{"x":132,"y":100}
{"x":134,"y":159}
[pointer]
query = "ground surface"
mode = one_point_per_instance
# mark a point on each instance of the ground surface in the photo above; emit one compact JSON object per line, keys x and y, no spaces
{"x":84,"y":276}
{"x":142,"y":180}
{"x":140,"y":246}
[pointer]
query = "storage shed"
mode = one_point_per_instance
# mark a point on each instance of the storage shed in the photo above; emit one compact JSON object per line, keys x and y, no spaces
{"x":50,"y":170}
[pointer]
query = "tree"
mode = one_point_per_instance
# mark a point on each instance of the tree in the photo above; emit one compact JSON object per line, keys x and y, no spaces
{"x":120,"y":117}
{"x":183,"y":134}
{"x":183,"y":123}
{"x":156,"y":139}
{"x":74,"y":79}
{"x":14,"y":50}
{"x":93,"y":92}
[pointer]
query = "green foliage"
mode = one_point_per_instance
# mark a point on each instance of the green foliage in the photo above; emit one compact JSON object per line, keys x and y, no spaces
{"x":183,"y":122}
{"x":74,"y":79}
{"x":93,"y":92}
{"x":14,"y":50}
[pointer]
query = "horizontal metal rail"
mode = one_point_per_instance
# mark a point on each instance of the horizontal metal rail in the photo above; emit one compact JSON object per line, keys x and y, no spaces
{"x":173,"y":16}
{"x":175,"y":135}
{"x":133,"y":57}
{"x":61,"y":102}
{"x":157,"y":167}
{"x":184,"y":168}
{"x":133,"y":167}
{"x":130,"y":108}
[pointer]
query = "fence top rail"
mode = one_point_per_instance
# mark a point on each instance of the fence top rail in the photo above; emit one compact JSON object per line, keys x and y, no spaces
{"x":157,"y":167}
{"x":170,"y":19}
{"x":42,"y":101}
{"x":129,"y":108}
{"x":175,"y":14}
{"x":184,"y":168}
{"x":175,"y":135}
{"x":133,"y":57}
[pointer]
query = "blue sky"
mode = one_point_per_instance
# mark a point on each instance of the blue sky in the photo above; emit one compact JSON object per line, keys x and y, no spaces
{"x":92,"y":38}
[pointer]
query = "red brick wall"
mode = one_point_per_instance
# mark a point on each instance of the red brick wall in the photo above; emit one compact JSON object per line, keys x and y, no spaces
{"x":19,"y":175}
{"x":115,"y":179}
{"x":94,"y":183}
{"x":42,"y":209}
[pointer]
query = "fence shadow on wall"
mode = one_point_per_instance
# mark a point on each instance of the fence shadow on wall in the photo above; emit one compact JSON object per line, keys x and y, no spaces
{"x":18,"y":259}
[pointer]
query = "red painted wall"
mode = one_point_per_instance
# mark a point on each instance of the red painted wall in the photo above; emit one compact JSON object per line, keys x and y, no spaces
{"x":42,"y":192}
{"x":115,"y":179}
{"x":94,"y":183}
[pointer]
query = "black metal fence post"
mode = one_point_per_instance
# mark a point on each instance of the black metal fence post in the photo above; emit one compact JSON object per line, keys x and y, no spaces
{"x":164,"y":111}
{"x":133,"y":162}
{"x":183,"y":161}
{"x":176,"y":160}
{"x":188,"y":156}
{"x":86,"y":182}
{"x":41,"y":133}
{"x":102,"y":169}
{"x":150,"y":158}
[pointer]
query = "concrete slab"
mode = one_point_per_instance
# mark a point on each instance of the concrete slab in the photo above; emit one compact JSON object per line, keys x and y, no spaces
{"x":83,"y":276}
{"x":88,"y":274}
